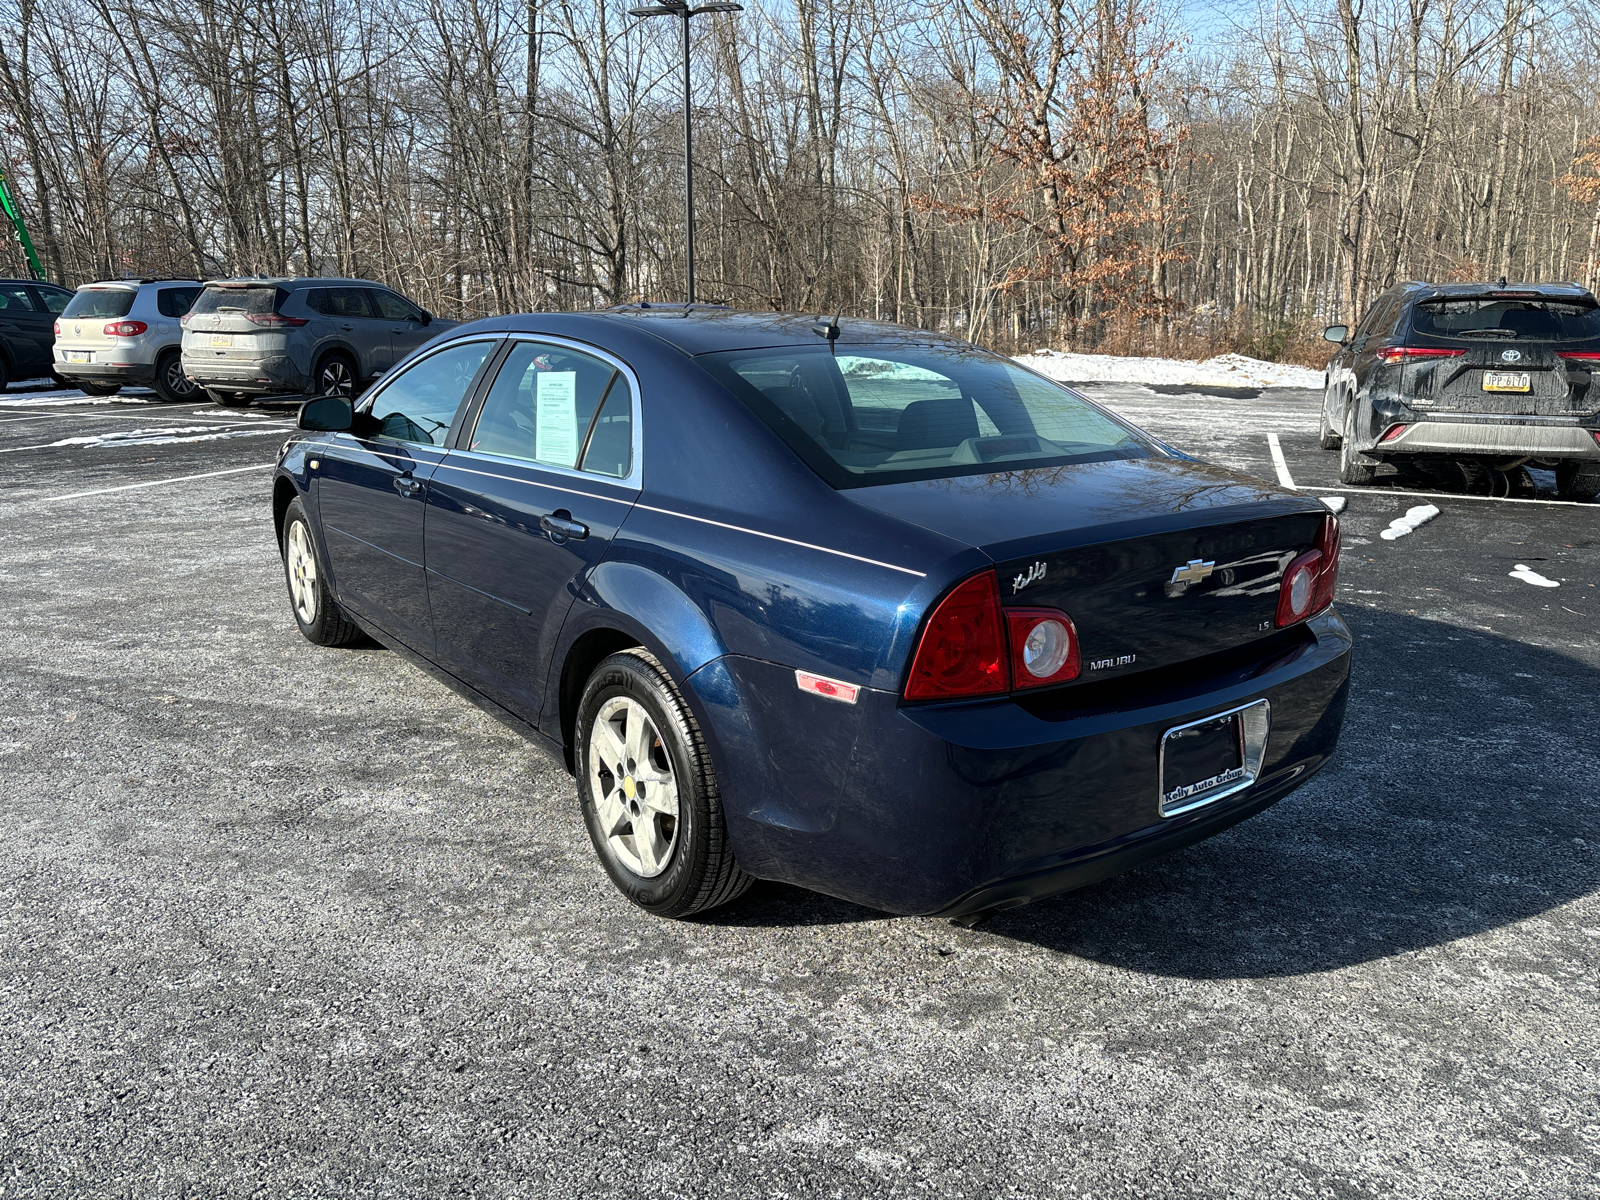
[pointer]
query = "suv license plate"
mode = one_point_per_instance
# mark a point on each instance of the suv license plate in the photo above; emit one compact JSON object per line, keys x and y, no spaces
{"x":1506,"y":381}
{"x":79,"y":356}
{"x":226,"y":339}
{"x":1216,"y":756}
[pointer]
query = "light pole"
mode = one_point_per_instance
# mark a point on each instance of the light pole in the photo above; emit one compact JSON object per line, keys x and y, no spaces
{"x":681,"y":10}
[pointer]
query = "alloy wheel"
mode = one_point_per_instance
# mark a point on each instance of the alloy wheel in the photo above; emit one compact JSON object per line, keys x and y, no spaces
{"x":635,"y":790}
{"x":177,"y":384}
{"x":302,"y":574}
{"x":335,"y":378}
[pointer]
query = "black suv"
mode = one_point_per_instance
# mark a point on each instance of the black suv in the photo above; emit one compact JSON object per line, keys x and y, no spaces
{"x":28,"y":312}
{"x":1478,"y":377}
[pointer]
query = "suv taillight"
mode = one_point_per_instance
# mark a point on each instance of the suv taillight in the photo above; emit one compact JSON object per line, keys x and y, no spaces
{"x":1394,"y":354}
{"x":278,"y":320}
{"x":971,"y":647}
{"x":58,"y":328}
{"x":1580,"y":355}
{"x":1308,"y":584}
{"x":124,"y":328}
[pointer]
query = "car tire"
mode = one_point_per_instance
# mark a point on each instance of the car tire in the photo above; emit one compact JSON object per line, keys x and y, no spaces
{"x":5,"y":373}
{"x":335,"y":376}
{"x":170,"y":383}
{"x":315,"y":610}
{"x":1326,"y":437}
{"x":1355,"y":469}
{"x":1578,"y":480}
{"x":98,"y":389}
{"x":684,"y":864}
{"x":227,"y":399}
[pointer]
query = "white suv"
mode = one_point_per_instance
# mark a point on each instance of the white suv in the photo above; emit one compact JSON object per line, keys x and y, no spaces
{"x":126,"y":331}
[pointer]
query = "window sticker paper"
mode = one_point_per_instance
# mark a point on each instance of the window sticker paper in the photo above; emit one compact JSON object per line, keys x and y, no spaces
{"x":556,"y":398}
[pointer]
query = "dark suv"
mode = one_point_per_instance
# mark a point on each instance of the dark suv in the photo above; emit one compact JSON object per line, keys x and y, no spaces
{"x":1477,"y":376}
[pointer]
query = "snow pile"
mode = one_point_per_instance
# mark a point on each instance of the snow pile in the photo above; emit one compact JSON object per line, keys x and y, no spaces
{"x":1226,"y":370}
{"x":1334,"y":503}
{"x":1400,"y":526}
{"x":1528,"y":575}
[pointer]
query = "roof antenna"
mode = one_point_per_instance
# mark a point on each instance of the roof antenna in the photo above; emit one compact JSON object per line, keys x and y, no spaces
{"x":829,"y":328}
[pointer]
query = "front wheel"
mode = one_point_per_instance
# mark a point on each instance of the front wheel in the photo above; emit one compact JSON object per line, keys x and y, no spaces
{"x":319,"y":616}
{"x":649,"y":793}
{"x":227,"y":399}
{"x":1578,"y":480}
{"x":98,"y":389}
{"x":1326,"y":437}
{"x":1354,"y":468}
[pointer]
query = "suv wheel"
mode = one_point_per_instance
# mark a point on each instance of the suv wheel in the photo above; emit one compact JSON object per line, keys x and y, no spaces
{"x":649,"y":793}
{"x":1578,"y":480}
{"x":171,"y":384}
{"x":1354,"y":468}
{"x":1326,"y":437}
{"x":227,"y":399}
{"x":98,"y":389}
{"x":335,"y":376}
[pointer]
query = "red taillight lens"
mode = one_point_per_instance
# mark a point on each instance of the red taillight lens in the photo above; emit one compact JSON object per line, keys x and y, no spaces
{"x":1394,"y":354}
{"x":1581,"y":355}
{"x":1044,"y":647}
{"x":1393,"y":432}
{"x":58,"y":328}
{"x":1308,"y":584}
{"x":963,"y":651}
{"x":125,"y":328}
{"x":184,"y":320}
{"x":278,"y":320}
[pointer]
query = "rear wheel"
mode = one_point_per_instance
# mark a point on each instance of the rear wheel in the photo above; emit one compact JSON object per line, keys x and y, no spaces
{"x":335,"y":376}
{"x":649,"y":793}
{"x":171,"y":383}
{"x":1578,"y":480}
{"x":99,"y":389}
{"x":227,"y":399}
{"x":319,"y":616}
{"x":1354,"y":468}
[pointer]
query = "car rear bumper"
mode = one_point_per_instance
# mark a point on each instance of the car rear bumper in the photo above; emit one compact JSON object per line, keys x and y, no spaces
{"x":257,"y":376}
{"x":135,"y":373}
{"x":953,"y":809}
{"x":1494,"y":437}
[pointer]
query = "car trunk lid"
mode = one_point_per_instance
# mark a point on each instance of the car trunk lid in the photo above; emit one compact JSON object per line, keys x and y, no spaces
{"x":1487,"y":377}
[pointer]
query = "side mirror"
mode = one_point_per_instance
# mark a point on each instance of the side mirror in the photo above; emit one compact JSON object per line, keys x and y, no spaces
{"x":427,"y":317}
{"x":327,"y":414}
{"x":1337,"y":334}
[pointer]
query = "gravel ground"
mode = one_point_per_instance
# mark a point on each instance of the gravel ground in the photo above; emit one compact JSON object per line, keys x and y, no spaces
{"x":285,"y":921}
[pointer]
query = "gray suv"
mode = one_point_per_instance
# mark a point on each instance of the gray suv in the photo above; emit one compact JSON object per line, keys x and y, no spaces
{"x":262,"y":337}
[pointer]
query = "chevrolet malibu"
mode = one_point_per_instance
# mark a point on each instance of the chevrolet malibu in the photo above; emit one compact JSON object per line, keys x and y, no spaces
{"x":843,"y":604}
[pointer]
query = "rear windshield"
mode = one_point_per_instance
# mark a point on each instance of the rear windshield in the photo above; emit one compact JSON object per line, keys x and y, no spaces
{"x":239,"y":300}
{"x":99,"y":302}
{"x":1491,"y":318}
{"x":875,"y":415}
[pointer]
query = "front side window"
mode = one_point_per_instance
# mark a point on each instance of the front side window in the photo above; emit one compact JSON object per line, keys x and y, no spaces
{"x":890,"y":414}
{"x":561,"y":407}
{"x":55,"y":299}
{"x":237,"y":301}
{"x":99,"y":302}
{"x":1488,"y":317}
{"x":175,"y":302}
{"x":391,"y":307}
{"x":419,"y":404}
{"x":15,"y":299}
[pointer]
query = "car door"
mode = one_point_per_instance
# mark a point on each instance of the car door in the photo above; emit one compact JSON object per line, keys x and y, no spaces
{"x":403,"y":320}
{"x":371,"y":489}
{"x":28,"y":329}
{"x":524,"y":504}
{"x":355,"y":323}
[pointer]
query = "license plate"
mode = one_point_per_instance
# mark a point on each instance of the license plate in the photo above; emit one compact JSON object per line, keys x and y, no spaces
{"x":222,"y":339}
{"x":79,"y":356}
{"x":1506,"y":381}
{"x":1205,"y":760}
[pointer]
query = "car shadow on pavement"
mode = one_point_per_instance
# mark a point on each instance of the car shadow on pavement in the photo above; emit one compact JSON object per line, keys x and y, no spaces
{"x":1464,"y":797}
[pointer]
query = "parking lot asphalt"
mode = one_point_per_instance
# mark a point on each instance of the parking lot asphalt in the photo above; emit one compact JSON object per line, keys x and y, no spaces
{"x":278,"y":920}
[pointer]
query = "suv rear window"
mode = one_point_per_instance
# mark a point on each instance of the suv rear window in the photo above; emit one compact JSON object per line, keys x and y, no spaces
{"x":100,"y":302}
{"x":174,"y":302}
{"x":1497,"y":317}
{"x":245,"y":300}
{"x":890,"y":414}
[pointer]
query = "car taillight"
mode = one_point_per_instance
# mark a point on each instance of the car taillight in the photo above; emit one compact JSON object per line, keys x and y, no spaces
{"x":1393,"y":432}
{"x":1308,"y":584}
{"x":1394,"y":354}
{"x":1580,"y":355}
{"x":277,"y":320}
{"x":124,"y":328}
{"x":962,"y":652}
{"x":58,"y":328}
{"x":184,"y":320}
{"x":1044,"y":647}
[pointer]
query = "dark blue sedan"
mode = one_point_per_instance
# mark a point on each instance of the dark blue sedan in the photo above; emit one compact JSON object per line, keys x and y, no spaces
{"x":843,"y":604}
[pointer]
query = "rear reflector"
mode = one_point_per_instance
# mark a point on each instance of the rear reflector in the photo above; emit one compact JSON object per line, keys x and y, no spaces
{"x":1393,"y":432}
{"x":124,"y":329}
{"x":1394,"y":354}
{"x":1044,"y":647}
{"x":821,"y":685}
{"x":962,"y":652}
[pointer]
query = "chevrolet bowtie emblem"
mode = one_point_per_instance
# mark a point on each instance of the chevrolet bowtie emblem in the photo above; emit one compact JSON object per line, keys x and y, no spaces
{"x":1193,"y":571}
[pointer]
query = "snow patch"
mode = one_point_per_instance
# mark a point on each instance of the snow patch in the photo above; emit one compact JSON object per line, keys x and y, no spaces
{"x":1335,"y":503}
{"x":1226,"y":370}
{"x":1528,"y":575}
{"x":66,"y":399}
{"x":166,"y":436}
{"x":1400,"y":526}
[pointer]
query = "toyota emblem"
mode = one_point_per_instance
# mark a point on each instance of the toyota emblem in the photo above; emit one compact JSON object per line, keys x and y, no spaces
{"x":1511,"y":356}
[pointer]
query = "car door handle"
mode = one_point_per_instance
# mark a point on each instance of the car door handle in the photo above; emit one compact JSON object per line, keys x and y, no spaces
{"x":407,"y":486}
{"x":560,"y":526}
{"x":347,"y":328}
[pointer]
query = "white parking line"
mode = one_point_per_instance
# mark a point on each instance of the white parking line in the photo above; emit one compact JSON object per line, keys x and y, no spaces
{"x":1279,"y":464}
{"x":1354,"y":493}
{"x":128,"y":487}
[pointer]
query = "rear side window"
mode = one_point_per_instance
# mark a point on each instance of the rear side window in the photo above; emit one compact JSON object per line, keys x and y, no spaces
{"x":559,"y":407}
{"x":393,"y":308}
{"x":55,"y":299}
{"x":175,"y":302}
{"x":892,"y":414}
{"x":419,"y":404}
{"x":1497,"y":318}
{"x":245,"y":300}
{"x":339,"y":302}
{"x":99,"y":302}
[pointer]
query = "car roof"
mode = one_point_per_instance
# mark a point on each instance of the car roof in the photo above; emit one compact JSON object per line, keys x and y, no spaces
{"x":290,"y":282}
{"x":706,"y":329}
{"x":134,"y":284}
{"x":35,"y":282}
{"x":1506,"y":291}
